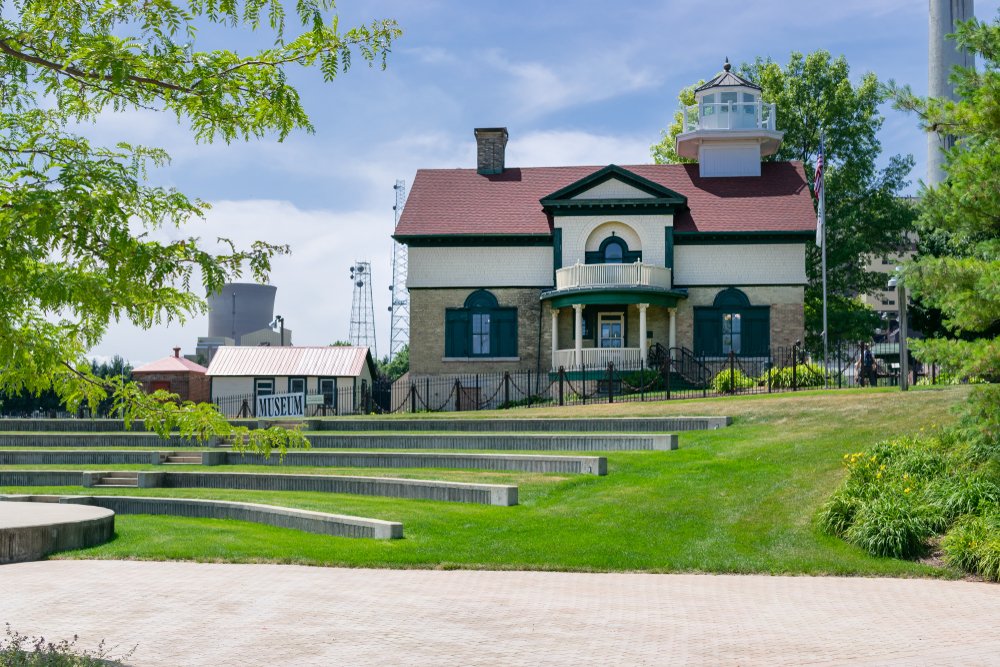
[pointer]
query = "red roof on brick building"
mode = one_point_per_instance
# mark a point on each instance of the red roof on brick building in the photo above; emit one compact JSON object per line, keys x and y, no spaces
{"x":445,"y":202}
{"x":172,"y":365}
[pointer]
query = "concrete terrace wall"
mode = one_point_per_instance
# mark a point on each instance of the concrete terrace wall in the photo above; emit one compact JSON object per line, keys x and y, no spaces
{"x":80,"y":457}
{"x":414,"y":489}
{"x":320,"y":523}
{"x":56,"y":530}
{"x":589,"y":465}
{"x":499,"y":442}
{"x":87,"y":425}
{"x":69,"y":440}
{"x":613,"y":425}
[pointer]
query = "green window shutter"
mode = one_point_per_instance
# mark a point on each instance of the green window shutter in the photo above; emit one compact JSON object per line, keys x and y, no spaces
{"x":669,"y":248}
{"x":456,"y":332}
{"x":504,"y":334}
{"x":556,"y":249}
{"x":757,"y":330}
{"x":707,"y":331}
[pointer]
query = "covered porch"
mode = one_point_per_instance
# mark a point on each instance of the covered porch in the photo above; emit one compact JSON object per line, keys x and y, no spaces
{"x":596,"y":322}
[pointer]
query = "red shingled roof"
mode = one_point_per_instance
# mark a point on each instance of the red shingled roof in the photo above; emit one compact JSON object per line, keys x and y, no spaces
{"x":461,"y":201}
{"x":171,"y":365}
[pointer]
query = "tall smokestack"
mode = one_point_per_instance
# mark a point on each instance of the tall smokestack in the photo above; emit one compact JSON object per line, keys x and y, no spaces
{"x":944,"y":54}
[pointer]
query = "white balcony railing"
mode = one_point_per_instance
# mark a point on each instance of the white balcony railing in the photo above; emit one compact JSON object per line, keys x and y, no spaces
{"x":595,"y":275}
{"x":598,"y":358}
{"x":730,"y":116}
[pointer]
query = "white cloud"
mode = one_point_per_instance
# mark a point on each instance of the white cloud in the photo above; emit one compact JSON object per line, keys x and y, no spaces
{"x":314,"y":290}
{"x":538,"y":88}
{"x":566,"y":148}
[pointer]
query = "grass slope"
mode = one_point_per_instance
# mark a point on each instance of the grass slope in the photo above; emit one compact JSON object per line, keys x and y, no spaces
{"x":740,"y":499}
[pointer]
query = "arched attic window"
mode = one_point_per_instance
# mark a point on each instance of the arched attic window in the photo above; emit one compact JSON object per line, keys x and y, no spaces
{"x":613,"y":250}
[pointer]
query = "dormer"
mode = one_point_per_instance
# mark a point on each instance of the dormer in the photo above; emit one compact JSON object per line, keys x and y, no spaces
{"x":729,"y":129}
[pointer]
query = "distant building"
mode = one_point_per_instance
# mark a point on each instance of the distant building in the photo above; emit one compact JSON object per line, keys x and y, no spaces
{"x":341,"y":374}
{"x":241,"y":314}
{"x":177,"y":375}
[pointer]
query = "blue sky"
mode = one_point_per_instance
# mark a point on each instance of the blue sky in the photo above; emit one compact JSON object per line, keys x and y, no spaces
{"x":574,"y":83}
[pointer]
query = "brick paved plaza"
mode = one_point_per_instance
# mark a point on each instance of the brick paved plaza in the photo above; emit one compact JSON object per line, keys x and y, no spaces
{"x":192,"y":614}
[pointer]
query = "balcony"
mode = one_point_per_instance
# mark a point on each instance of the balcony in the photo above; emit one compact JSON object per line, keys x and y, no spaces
{"x":613,"y":275}
{"x":730,"y":116}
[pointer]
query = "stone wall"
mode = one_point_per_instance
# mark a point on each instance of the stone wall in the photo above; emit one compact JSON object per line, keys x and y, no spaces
{"x":787,"y":312}
{"x":427,"y":313}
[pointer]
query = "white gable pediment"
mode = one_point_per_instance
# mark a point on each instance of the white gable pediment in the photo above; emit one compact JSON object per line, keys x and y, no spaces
{"x":614,"y":189}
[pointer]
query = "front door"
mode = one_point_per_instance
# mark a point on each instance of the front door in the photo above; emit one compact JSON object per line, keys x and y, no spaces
{"x":610,"y":330}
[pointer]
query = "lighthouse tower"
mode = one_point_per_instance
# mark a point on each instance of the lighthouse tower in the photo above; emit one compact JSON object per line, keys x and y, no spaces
{"x":729,"y":129}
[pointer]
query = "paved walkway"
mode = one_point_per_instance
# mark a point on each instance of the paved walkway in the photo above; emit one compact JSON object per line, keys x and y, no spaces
{"x":193,"y":614}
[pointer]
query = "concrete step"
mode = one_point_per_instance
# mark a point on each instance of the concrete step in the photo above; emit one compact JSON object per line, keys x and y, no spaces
{"x":116,"y":486}
{"x":183,"y":460}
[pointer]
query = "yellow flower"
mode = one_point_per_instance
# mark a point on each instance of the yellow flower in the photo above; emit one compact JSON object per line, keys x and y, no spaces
{"x":906,"y":490}
{"x":845,"y":456}
{"x":878,"y":475}
{"x":905,"y":476}
{"x":921,"y":428}
{"x":933,"y":425}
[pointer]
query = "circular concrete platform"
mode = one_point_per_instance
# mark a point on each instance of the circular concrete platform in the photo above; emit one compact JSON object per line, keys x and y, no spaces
{"x":31,"y":530}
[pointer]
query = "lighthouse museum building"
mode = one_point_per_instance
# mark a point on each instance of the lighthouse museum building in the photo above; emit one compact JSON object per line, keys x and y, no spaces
{"x":540,"y":268}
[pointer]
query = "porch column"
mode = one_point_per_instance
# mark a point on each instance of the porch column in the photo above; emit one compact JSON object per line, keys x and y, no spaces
{"x":555,"y":336}
{"x":642,"y":330}
{"x":578,"y":314}
{"x":673,"y":329}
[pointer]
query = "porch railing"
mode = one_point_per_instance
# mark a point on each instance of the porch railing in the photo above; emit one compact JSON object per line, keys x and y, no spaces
{"x":621,"y":357}
{"x":586,"y":275}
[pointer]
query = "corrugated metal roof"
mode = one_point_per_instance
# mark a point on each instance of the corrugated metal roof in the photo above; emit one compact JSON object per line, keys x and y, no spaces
{"x":172,"y":365}
{"x":340,"y":361}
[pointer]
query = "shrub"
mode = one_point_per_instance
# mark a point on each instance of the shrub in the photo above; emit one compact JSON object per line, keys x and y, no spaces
{"x":974,"y":545}
{"x":724,"y":382}
{"x":21,"y":651}
{"x":805,"y":375}
{"x":892,"y":525}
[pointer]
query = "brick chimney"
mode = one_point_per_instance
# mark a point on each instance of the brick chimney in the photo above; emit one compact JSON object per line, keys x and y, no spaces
{"x":490,"y":145}
{"x":177,"y":353}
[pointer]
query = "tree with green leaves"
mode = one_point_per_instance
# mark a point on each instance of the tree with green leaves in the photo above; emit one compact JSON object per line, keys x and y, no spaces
{"x":865,"y":217}
{"x":77,"y":220}
{"x":397,"y":367}
{"x":960,"y":276}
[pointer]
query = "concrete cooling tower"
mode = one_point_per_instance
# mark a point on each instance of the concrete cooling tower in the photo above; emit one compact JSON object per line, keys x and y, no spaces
{"x":240,"y":308}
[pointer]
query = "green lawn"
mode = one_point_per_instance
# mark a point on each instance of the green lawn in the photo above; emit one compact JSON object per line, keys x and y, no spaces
{"x":740,"y":499}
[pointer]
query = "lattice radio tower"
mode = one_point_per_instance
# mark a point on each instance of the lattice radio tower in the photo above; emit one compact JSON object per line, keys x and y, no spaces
{"x":400,"y":308}
{"x":362,"y":310}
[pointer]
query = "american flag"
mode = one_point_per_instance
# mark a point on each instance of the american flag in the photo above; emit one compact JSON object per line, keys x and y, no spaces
{"x":818,"y":178}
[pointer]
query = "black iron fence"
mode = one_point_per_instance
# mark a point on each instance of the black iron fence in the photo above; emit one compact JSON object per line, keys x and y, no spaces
{"x":665,"y":374}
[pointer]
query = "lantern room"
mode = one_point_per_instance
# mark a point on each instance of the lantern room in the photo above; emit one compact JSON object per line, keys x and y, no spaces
{"x":730,"y":128}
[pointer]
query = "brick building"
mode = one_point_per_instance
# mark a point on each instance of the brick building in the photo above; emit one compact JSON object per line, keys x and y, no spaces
{"x":541,"y":268}
{"x":177,"y":375}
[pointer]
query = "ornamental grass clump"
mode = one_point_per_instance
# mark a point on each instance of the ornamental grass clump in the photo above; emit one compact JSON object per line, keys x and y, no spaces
{"x":973,"y":545}
{"x":899,"y":494}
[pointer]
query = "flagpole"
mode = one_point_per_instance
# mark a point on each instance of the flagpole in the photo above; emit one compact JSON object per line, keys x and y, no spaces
{"x":822,"y":215}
